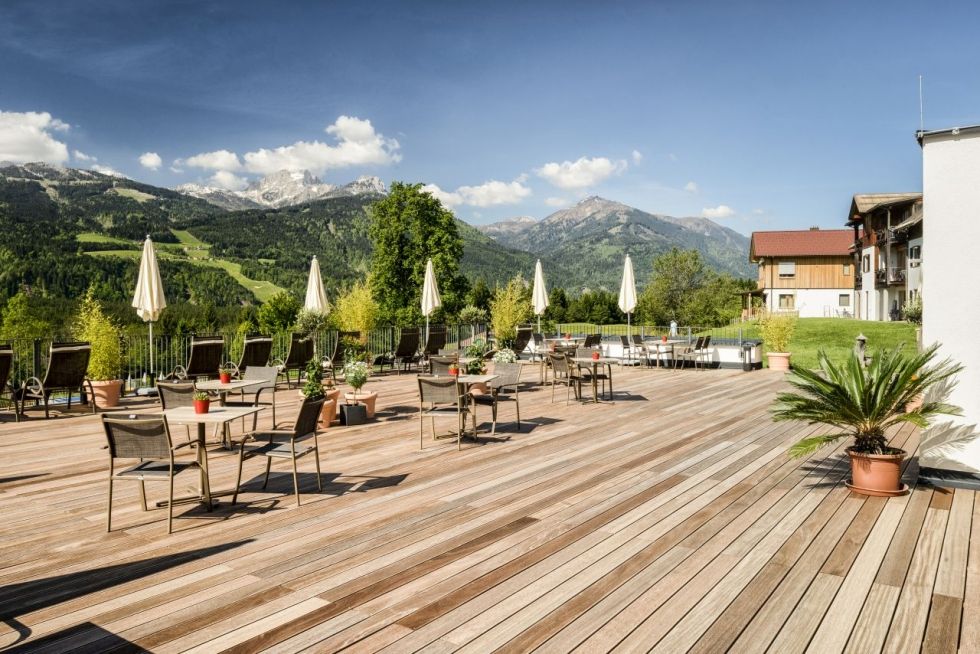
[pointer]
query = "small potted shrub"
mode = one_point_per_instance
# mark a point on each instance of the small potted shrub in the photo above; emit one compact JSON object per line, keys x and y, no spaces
{"x":202,"y":402}
{"x":224,"y":373}
{"x":776,"y":331}
{"x":862,"y":403}
{"x":105,"y":361}
{"x":356,"y":374}
{"x":314,"y":389}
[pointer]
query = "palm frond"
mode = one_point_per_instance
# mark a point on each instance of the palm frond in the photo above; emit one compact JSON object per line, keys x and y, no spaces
{"x":808,"y":446}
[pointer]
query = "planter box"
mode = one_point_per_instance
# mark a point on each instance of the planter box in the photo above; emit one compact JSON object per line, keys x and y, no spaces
{"x":353,"y":414}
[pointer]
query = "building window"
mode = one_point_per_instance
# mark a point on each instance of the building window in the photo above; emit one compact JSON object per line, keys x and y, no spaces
{"x":866,"y":263}
{"x":844,"y":300}
{"x":847,"y":270}
{"x":787,"y":268}
{"x":787,"y":301}
{"x":915,"y":255}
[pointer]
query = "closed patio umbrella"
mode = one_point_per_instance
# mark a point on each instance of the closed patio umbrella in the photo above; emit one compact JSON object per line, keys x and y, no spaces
{"x":148,"y":300}
{"x":430,"y":295}
{"x":627,"y":293}
{"x":316,"y":297}
{"x":539,"y":294}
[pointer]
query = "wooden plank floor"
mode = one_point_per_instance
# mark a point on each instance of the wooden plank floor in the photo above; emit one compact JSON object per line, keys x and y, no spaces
{"x":669,"y":521}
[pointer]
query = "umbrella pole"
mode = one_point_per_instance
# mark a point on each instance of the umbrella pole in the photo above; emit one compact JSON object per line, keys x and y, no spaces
{"x":151,"y":348}
{"x":426,"y":331}
{"x":539,"y":323}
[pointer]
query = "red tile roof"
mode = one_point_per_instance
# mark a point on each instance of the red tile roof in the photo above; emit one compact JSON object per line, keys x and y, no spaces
{"x":802,"y":243}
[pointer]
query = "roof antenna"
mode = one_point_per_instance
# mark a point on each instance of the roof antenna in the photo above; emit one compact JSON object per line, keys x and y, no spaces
{"x":922,"y":126}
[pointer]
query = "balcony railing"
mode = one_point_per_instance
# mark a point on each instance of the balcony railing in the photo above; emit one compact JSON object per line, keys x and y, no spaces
{"x":890,"y":276}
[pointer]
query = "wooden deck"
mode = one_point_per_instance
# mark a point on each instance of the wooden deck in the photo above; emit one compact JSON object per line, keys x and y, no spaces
{"x":669,"y":521}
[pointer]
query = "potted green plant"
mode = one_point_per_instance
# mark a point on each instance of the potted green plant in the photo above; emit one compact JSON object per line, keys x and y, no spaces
{"x":862,"y":403}
{"x":224,"y":373}
{"x":105,"y":361}
{"x":202,"y":402}
{"x":313,"y":389}
{"x":356,"y":374}
{"x":776,"y":331}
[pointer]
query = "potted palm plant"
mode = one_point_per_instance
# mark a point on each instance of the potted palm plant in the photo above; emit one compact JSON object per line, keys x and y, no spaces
{"x":862,"y":403}
{"x":776,"y":331}
{"x":105,"y":361}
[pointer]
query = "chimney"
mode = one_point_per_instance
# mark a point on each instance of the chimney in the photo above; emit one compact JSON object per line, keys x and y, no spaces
{"x":814,"y":229}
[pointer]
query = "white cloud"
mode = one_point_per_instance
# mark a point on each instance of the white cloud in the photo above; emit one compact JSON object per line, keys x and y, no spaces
{"x":691,"y":187}
{"x":556,"y":202}
{"x":758,"y":212}
{"x":637,"y":157}
{"x":228,"y":180}
{"x":721,"y":211}
{"x":217,"y":160}
{"x":358,"y":144}
{"x":81,"y":156}
{"x":487,"y":194}
{"x":151,"y":160}
{"x":582,"y":173}
{"x":107,"y":170}
{"x":26,"y":136}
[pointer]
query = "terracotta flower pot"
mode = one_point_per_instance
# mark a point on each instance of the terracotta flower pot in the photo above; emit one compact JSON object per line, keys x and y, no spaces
{"x":361,"y":397}
{"x":107,"y":393}
{"x":778,"y":360}
{"x":202,"y":406}
{"x":224,"y":377}
{"x":879,"y":475}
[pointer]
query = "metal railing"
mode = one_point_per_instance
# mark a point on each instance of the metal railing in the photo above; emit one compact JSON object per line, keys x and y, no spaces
{"x":725,"y":335}
{"x":169,"y":351}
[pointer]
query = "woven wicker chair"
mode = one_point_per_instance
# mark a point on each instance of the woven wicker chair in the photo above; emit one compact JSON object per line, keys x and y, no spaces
{"x":444,"y":397}
{"x":204,"y":360}
{"x":256,"y":351}
{"x":146,"y":438}
{"x":505,"y":388}
{"x":67,"y":365}
{"x":284,"y":444}
{"x":566,"y":374}
{"x":299,"y":354}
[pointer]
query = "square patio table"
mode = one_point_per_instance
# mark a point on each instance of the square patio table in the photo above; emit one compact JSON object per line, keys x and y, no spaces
{"x":594,"y":365}
{"x":662,"y":348}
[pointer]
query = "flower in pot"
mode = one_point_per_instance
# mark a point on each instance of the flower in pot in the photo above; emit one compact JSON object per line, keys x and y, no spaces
{"x":224,"y":373}
{"x":356,"y":374}
{"x":777,"y":330}
{"x":105,"y":360}
{"x":505,"y":355}
{"x":862,"y":403}
{"x":202,"y":402}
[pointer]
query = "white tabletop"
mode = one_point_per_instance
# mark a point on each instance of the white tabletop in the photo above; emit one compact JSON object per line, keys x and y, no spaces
{"x":234,"y":385}
{"x":476,"y":379}
{"x":591,"y":361}
{"x":216,"y":415}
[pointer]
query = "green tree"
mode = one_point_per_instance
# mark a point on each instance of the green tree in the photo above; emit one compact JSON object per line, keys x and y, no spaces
{"x":597,"y":307}
{"x":279,"y":313}
{"x":557,"y":310}
{"x":408,"y":227}
{"x":511,"y":306}
{"x":480,"y":295}
{"x":94,"y":326}
{"x":356,"y":310}
{"x":676,"y":274}
{"x":22,"y":323}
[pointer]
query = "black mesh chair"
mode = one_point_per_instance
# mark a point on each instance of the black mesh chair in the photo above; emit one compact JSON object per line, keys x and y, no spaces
{"x":6,"y":367}
{"x":204,"y":360}
{"x":284,"y":444}
{"x":439,"y":365}
{"x":256,"y":351}
{"x":435,"y":341}
{"x":146,"y":439}
{"x":444,"y":397}
{"x":406,"y":353}
{"x":300,"y":353}
{"x":67,"y":365}
{"x":336,"y":359}
{"x":523,"y":338}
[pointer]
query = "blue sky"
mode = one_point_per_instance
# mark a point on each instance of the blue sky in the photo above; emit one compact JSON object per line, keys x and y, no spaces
{"x":761,"y":115}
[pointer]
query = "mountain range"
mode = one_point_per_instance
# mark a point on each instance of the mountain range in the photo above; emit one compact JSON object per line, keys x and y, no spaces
{"x":92,"y":225}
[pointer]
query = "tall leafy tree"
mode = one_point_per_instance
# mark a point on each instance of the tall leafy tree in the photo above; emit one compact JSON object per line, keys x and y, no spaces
{"x":676,"y":274}
{"x":408,"y":227}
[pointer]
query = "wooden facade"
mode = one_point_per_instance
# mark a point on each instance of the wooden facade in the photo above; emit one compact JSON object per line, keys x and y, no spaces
{"x":811,"y":272}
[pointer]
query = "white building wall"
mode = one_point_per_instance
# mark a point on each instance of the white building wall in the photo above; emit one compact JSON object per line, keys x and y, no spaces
{"x":913,"y":274}
{"x":813,"y":302}
{"x":870,"y":302}
{"x":951,"y":306}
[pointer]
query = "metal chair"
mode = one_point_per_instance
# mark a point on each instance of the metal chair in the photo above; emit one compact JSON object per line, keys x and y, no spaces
{"x":299,"y":354}
{"x":268,"y":375}
{"x":146,"y":438}
{"x":291,"y":444}
{"x":566,"y":374}
{"x":439,"y":365}
{"x":177,"y":394}
{"x":696,"y":354}
{"x":446,"y":398}
{"x":256,"y":351}
{"x":523,"y":338}
{"x":204,"y":359}
{"x":336,"y":359}
{"x":505,"y":387}
{"x":6,"y":367}
{"x":67,"y":365}
{"x":406,"y":353}
{"x":435,"y":341}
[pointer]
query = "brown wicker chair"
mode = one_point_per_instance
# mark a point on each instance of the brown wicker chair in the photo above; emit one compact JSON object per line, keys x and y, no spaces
{"x":444,"y":397}
{"x":284,"y":444}
{"x":146,"y":438}
{"x":504,"y":388}
{"x":300,"y":353}
{"x":67,"y":365}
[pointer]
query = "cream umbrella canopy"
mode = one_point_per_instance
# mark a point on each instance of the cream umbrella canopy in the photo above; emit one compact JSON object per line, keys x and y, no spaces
{"x":316,"y":296}
{"x":148,"y":300}
{"x":430,"y":295}
{"x":627,"y":293}
{"x":539,"y":294}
